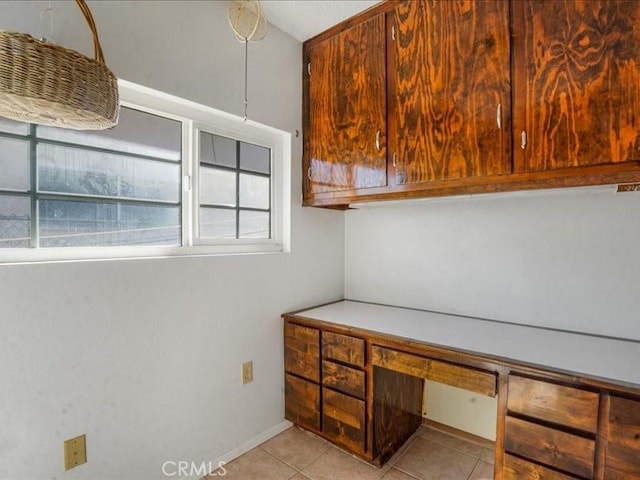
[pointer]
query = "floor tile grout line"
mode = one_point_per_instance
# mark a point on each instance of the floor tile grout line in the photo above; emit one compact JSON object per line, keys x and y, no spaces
{"x":452,"y":448}
{"x":297,"y":470}
{"x":473,"y":469}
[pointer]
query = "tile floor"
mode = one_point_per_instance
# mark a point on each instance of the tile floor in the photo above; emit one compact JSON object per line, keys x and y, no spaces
{"x":430,"y":454}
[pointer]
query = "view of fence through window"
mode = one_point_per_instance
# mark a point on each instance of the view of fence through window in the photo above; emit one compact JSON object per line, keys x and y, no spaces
{"x":64,"y":188}
{"x":235,"y":188}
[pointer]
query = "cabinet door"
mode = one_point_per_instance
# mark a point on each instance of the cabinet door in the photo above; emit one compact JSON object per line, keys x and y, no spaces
{"x":346,"y":110}
{"x":451,"y":90}
{"x":576,"y":83}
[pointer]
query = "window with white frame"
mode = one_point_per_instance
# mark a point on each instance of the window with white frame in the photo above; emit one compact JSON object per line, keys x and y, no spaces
{"x":173,"y":177}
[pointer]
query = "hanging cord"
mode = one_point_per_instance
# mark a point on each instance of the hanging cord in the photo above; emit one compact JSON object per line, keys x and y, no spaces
{"x":246,"y":77}
{"x":48,"y":11}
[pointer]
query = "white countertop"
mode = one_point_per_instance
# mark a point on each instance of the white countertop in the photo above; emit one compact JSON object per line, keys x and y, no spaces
{"x":591,"y":355}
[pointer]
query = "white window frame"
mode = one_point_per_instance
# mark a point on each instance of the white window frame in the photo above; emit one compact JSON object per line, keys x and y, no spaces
{"x":194,"y":116}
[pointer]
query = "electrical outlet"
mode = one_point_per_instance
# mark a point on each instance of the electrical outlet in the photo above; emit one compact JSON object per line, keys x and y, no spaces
{"x":247,"y":373}
{"x":75,"y":452}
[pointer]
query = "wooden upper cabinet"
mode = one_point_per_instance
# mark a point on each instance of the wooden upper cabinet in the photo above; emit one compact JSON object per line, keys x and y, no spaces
{"x":450,"y":90}
{"x":345,"y":108}
{"x":576,"y":83}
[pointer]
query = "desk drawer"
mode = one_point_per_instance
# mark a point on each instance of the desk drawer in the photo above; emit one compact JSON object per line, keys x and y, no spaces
{"x":561,"y":450}
{"x":343,"y":420}
{"x":302,"y":402}
{"x":553,"y":403}
{"x":302,"y":351}
{"x":343,"y":348}
{"x":518,"y":469}
{"x":346,"y":379}
{"x":435,"y":370}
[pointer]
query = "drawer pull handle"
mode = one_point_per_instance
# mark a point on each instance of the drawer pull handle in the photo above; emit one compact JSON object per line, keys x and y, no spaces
{"x":378,"y":140}
{"x":523,"y":140}
{"x":499,"y":116}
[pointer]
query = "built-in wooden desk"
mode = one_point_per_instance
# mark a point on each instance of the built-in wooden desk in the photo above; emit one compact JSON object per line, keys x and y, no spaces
{"x":568,"y":403}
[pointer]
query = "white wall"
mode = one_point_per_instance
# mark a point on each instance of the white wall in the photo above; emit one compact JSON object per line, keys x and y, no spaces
{"x":144,"y":355}
{"x":566,"y":259}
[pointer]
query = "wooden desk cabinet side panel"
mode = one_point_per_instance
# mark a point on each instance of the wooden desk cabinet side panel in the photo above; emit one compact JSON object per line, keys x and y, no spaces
{"x":397,"y":411}
{"x":576,"y":83}
{"x":623,"y":451}
{"x":451,"y":90}
{"x":345,"y":134}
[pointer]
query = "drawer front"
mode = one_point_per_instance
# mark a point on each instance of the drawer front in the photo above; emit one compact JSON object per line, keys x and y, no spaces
{"x":466,"y":378}
{"x":553,"y":403}
{"x":343,"y":348}
{"x":343,"y":420}
{"x":623,"y":451}
{"x":518,"y":469}
{"x":302,"y":351}
{"x":345,"y":379}
{"x":302,"y":402}
{"x":567,"y":452}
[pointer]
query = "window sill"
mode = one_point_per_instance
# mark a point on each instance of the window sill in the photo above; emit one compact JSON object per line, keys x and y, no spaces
{"x":83,"y":254}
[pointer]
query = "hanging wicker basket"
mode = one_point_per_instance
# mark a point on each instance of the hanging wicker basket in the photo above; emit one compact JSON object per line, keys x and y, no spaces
{"x":51,"y":85}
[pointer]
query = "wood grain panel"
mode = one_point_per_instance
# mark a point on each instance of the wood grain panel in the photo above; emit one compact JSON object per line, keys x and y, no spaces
{"x":343,"y":348}
{"x":576,"y":82}
{"x":553,"y":403}
{"x":518,"y":469}
{"x":397,"y":410}
{"x":451,"y":73}
{"x":343,"y":420}
{"x":442,"y":372}
{"x":561,"y":450}
{"x":623,"y":450}
{"x":302,"y":402}
{"x":345,"y":379}
{"x":302,"y":351}
{"x":347,"y":109}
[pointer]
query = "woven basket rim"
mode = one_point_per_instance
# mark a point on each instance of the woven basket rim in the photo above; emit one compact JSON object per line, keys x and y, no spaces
{"x":49,"y":45}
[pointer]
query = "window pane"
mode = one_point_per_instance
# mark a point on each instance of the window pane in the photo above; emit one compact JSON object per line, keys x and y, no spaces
{"x":217,"y":187}
{"x":15,"y":221}
{"x":217,"y":223}
{"x":217,"y":150}
{"x":85,"y":172}
{"x":254,"y":224}
{"x":254,"y":191}
{"x":137,"y":132}
{"x":65,"y":223}
{"x":10,"y":126}
{"x":255,"y":158}
{"x":14,"y":164}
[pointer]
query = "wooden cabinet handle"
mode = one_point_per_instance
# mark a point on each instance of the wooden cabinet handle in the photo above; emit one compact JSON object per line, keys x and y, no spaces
{"x":309,"y":173}
{"x":378,"y":140}
{"x":395,"y":157}
{"x":523,"y":140}
{"x":499,"y":116}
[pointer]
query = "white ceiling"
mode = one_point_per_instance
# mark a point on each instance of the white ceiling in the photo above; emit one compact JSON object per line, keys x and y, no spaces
{"x":303,"y":19}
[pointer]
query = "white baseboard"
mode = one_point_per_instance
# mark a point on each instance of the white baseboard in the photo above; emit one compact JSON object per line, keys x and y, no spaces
{"x":253,"y":442}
